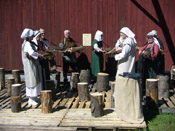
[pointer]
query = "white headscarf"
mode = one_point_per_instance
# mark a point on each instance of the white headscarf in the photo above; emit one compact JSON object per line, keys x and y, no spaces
{"x":36,"y":34}
{"x":129,"y":33}
{"x":153,"y":34}
{"x":98,"y":35}
{"x":27,"y":33}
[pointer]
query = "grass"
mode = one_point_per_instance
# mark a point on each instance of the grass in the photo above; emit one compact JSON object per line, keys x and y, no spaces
{"x":162,"y":122}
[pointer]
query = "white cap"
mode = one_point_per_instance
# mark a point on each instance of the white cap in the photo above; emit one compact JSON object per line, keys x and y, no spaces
{"x":27,"y":33}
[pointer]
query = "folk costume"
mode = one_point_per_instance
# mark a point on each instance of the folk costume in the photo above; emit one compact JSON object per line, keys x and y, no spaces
{"x":126,"y":59}
{"x":148,"y":66}
{"x":69,"y":58}
{"x":127,"y":91}
{"x":97,"y":54}
{"x":31,"y":66}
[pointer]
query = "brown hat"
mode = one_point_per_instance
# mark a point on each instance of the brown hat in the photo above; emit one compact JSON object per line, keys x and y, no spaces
{"x":41,"y":30}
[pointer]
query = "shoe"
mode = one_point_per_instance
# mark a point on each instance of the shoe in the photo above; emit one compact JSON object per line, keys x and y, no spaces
{"x":29,"y":101}
{"x":33,"y":101}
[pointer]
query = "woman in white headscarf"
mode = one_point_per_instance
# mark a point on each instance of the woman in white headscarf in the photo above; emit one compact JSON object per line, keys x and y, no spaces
{"x":97,"y":54}
{"x":127,"y":44}
{"x":148,"y":58}
{"x":32,"y":69}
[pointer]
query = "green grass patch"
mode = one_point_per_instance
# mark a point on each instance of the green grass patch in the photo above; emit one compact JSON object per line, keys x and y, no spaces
{"x":162,"y":122}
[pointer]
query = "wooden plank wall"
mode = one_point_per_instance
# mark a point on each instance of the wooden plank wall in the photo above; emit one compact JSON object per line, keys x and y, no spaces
{"x":79,"y":16}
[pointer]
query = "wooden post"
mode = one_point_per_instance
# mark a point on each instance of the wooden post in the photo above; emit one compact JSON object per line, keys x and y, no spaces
{"x":46,"y":101}
{"x":152,"y":93}
{"x":10,"y":81}
{"x":83,"y":91}
{"x":97,"y":104}
{"x":163,"y":86}
{"x":173,"y":74}
{"x":15,"y":103}
{"x":56,"y":78}
{"x":112,"y":94}
{"x":74,"y":80}
{"x":50,"y":85}
{"x":16,"y":89}
{"x":85,"y":76}
{"x":102,"y":82}
{"x":2,"y":78}
{"x":16,"y":75}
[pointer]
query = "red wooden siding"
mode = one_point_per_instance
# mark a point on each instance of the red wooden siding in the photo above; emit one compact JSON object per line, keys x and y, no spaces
{"x":79,"y":16}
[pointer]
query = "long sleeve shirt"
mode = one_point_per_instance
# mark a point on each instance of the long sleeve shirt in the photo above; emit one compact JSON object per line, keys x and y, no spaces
{"x":154,"y":52}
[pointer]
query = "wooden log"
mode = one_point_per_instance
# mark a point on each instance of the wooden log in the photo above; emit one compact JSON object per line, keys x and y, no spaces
{"x":74,"y":80}
{"x":16,"y":75}
{"x":46,"y":101}
{"x":2,"y":78}
{"x":15,"y":103}
{"x":10,"y":81}
{"x":85,"y":76}
{"x":102,"y":82}
{"x":163,"y":86}
{"x":152,"y":93}
{"x":50,"y":85}
{"x":83,"y":91}
{"x":56,"y":78}
{"x":112,"y":94}
{"x":97,"y":104}
{"x":16,"y":89}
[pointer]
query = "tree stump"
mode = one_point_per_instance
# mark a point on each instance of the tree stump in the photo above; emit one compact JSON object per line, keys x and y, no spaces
{"x":50,"y":85}
{"x":10,"y":81}
{"x":46,"y":101}
{"x":16,"y":89}
{"x":102,"y":82}
{"x":16,"y":75}
{"x":56,"y":78}
{"x":83,"y":91}
{"x":15,"y":103}
{"x":74,"y":80}
{"x":152,"y":93}
{"x":85,"y":76}
{"x":163,"y":86}
{"x":2,"y":78}
{"x":173,"y":74}
{"x":112,"y":94}
{"x":97,"y":104}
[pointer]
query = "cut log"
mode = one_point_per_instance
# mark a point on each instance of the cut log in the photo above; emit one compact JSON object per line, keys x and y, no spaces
{"x":56,"y":78}
{"x":50,"y":85}
{"x":10,"y":81}
{"x":46,"y":101}
{"x":83,"y":91}
{"x":152,"y":93}
{"x":97,"y":104}
{"x":102,"y":82}
{"x":173,"y":74}
{"x":112,"y":94}
{"x":2,"y":78}
{"x":85,"y":76}
{"x":16,"y":75}
{"x":163,"y":86}
{"x":16,"y":89}
{"x":74,"y":80}
{"x":15,"y":103}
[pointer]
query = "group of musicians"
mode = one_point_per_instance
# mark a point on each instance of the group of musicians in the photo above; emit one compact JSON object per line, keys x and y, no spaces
{"x":36,"y":65}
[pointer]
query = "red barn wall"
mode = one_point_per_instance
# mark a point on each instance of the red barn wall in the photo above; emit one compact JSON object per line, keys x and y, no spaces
{"x":79,"y":16}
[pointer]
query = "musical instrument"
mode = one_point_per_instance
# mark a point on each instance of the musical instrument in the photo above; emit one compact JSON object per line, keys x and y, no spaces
{"x":113,"y":51}
{"x":68,"y":49}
